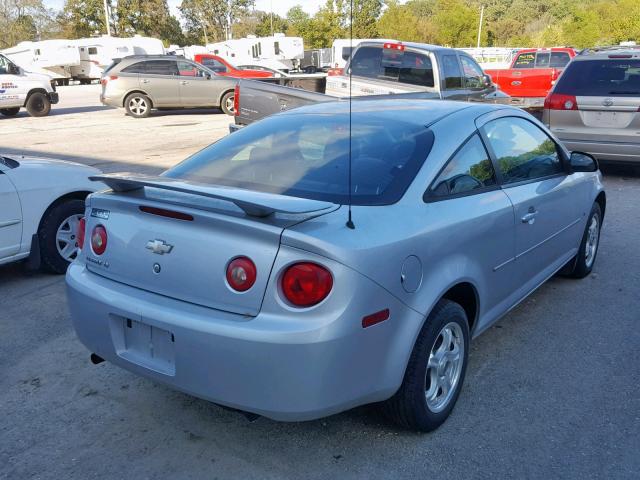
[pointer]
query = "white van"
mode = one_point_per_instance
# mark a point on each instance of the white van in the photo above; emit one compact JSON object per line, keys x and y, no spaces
{"x":19,"y":88}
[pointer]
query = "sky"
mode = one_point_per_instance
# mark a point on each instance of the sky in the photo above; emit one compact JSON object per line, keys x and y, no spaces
{"x":280,"y":7}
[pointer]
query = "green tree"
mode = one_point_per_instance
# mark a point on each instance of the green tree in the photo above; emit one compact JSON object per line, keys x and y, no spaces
{"x":150,"y":18}
{"x":365,"y":17}
{"x":217,"y":17}
{"x":456,"y":23}
{"x":82,"y":18}
{"x":299,"y":23}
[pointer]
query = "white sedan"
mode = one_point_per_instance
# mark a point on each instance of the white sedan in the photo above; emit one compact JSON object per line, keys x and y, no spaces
{"x":42,"y":202}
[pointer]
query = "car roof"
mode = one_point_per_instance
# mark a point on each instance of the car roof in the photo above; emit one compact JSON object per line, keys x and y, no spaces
{"x":419,"y":46}
{"x":410,"y":110}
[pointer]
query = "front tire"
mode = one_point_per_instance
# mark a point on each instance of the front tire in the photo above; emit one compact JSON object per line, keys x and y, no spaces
{"x":38,"y":105}
{"x":138,"y":105}
{"x":435,"y":373}
{"x":10,"y":112}
{"x":227,"y":102}
{"x":586,"y":257}
{"x":57,"y":235}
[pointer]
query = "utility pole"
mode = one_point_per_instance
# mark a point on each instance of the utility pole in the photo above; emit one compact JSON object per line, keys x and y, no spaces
{"x":272,"y":18}
{"x":106,"y":17}
{"x":480,"y":24}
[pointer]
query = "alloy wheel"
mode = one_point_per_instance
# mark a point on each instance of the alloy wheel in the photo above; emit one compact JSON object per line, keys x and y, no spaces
{"x":444,"y":367}
{"x":66,"y":240}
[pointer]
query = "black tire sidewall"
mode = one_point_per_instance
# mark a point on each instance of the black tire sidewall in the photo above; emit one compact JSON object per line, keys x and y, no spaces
{"x":223,"y":103}
{"x":138,"y":95}
{"x":32,"y":105}
{"x":51,"y":221}
{"x":581,"y":269}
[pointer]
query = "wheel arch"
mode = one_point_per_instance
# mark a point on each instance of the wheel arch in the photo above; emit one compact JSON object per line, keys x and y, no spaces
{"x":465,"y":294}
{"x":126,"y":95}
{"x":31,"y":92}
{"x":76,"y":195}
{"x":224,"y":92}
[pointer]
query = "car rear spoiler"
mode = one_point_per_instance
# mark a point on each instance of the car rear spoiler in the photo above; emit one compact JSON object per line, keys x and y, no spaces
{"x":255,"y":204}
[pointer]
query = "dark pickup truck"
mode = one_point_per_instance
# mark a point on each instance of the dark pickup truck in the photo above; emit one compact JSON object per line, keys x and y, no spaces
{"x":414,"y":70}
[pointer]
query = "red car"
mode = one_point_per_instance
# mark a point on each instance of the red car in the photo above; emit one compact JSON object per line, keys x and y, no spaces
{"x":532,"y":74}
{"x":224,"y":68}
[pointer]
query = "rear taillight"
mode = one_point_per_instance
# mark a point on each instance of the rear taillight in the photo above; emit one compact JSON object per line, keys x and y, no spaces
{"x":306,"y":284}
{"x":241,"y":274}
{"x":333,"y":72}
{"x":236,"y":101}
{"x":80,"y":233}
{"x":557,"y":101}
{"x":105,"y":80}
{"x":99,"y":239}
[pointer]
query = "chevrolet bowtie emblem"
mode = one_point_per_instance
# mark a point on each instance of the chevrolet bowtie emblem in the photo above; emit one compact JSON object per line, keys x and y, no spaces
{"x":159,"y":246}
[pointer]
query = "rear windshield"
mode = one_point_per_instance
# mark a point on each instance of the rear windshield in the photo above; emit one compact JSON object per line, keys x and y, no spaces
{"x":600,"y":78}
{"x":308,"y":156}
{"x":393,"y":65}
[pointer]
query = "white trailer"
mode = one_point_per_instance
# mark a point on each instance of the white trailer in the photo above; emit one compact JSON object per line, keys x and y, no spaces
{"x":53,"y":58}
{"x":492,"y":57}
{"x":278,"y":51}
{"x":98,"y":53}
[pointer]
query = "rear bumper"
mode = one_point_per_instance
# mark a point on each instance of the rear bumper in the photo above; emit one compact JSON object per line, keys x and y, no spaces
{"x":291,"y":372}
{"x":111,"y":101}
{"x":605,"y":151}
{"x":234,"y":128}
{"x":527,"y":102}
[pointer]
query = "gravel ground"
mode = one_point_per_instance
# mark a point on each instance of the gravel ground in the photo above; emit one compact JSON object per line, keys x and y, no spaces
{"x":552,"y":390}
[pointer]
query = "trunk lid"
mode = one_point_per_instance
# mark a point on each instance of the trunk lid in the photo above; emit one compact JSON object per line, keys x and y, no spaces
{"x":181,"y":245}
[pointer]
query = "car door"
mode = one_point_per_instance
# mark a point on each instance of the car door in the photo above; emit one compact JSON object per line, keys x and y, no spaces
{"x":451,"y":84}
{"x":474,"y":80}
{"x":10,"y":218}
{"x":547,"y":211}
{"x":161,"y":82}
{"x":474,"y":219}
{"x":10,"y":93}
{"x":197,"y":86}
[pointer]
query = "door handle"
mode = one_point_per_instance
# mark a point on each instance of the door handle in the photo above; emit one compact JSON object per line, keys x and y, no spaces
{"x":530,"y":217}
{"x":145,"y":81}
{"x":183,"y":82}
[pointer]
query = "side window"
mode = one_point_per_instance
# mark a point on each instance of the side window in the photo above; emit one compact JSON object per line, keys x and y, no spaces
{"x":187,"y":69}
{"x":559,"y":59}
{"x":366,"y":62}
{"x":4,"y":65}
{"x":473,"y":74}
{"x":416,"y":69}
{"x":542,"y":60}
{"x":93,"y":50}
{"x":161,"y":67}
{"x":470,"y":169}
{"x":524,"y":152}
{"x":525,"y":60}
{"x":135,"y":68}
{"x":452,"y":74}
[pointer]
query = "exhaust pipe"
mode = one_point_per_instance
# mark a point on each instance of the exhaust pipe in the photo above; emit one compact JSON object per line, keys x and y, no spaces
{"x":95,"y":359}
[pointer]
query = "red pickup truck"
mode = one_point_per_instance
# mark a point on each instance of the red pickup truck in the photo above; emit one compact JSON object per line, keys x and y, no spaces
{"x":224,"y":68}
{"x":532,"y":74}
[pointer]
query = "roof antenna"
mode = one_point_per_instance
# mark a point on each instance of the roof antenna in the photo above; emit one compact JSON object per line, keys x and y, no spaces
{"x":350,"y":223}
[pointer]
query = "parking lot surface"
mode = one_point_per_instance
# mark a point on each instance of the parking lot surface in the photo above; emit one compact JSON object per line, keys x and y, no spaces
{"x":552,"y":390}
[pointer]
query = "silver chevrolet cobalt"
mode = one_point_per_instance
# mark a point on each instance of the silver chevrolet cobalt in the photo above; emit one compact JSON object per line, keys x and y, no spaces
{"x":238,"y":277}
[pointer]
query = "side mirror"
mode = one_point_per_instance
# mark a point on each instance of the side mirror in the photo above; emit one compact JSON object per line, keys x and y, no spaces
{"x":208,"y":76}
{"x":487,"y":80}
{"x":13,"y":69}
{"x":583,"y":162}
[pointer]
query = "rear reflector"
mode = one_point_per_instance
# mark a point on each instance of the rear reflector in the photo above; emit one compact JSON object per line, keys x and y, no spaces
{"x":167,"y":213}
{"x":557,"y":101}
{"x":80,"y":233}
{"x":99,"y":239}
{"x":374,"y":318}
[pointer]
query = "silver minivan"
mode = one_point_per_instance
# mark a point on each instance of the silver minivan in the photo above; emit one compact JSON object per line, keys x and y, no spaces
{"x":141,"y":83}
{"x":594,"y":107}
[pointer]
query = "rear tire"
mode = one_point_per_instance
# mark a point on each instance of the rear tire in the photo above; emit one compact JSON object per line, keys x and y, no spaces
{"x":10,"y":112}
{"x":435,"y":373}
{"x":57,"y":235}
{"x":138,"y":105}
{"x":38,"y":105}
{"x":226,"y":103}
{"x":583,"y":262}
